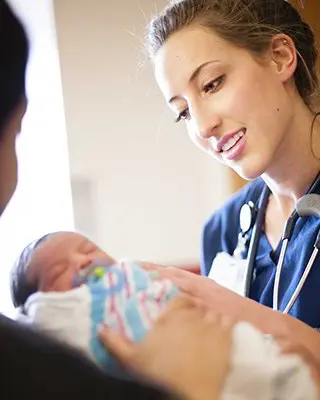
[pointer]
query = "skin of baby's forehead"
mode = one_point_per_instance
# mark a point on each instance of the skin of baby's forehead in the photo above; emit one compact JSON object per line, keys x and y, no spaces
{"x":61,"y":256}
{"x":53,"y":248}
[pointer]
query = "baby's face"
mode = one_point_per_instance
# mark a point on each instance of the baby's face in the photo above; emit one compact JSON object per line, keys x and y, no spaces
{"x":58,"y":260}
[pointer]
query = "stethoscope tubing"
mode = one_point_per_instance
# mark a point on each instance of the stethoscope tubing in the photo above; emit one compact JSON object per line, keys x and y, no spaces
{"x":301,"y":281}
{"x":255,"y":238}
{"x":254,"y":242}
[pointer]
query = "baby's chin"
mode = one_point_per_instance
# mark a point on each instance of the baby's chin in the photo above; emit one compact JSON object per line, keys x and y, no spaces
{"x":56,"y":287}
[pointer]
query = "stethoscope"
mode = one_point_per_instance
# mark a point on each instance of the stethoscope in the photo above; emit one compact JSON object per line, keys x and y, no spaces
{"x":252,"y":217}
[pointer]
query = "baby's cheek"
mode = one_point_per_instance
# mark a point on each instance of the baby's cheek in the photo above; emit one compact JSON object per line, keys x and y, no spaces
{"x":57,"y":283}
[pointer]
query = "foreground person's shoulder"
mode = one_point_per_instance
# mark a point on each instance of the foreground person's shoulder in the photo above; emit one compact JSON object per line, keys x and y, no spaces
{"x":33,"y":365}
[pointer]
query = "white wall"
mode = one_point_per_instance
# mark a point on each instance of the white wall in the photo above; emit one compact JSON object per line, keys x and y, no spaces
{"x":42,"y":202}
{"x":149,"y":189}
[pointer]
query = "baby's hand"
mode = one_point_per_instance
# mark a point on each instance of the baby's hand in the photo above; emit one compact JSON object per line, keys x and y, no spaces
{"x":288,"y":347}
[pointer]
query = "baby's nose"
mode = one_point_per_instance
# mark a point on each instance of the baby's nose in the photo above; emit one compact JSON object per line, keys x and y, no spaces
{"x":80,"y":261}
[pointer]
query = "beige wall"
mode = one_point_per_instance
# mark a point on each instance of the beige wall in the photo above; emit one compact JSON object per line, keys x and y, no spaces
{"x":148,"y":188}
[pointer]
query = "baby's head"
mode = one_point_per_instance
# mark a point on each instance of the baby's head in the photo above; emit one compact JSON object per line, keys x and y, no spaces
{"x":51,"y":264}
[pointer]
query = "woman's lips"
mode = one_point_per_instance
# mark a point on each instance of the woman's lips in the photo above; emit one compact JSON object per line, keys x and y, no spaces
{"x":236,"y":150}
{"x":231,"y":145}
{"x":227,"y":138}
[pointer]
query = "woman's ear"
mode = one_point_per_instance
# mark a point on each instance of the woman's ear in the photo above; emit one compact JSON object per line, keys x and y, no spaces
{"x":284,"y":56}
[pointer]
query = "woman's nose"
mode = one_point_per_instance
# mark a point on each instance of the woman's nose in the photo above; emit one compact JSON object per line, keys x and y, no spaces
{"x":205,"y":122}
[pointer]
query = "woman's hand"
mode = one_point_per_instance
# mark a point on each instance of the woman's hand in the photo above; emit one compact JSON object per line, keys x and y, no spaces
{"x":219,"y":299}
{"x":187,"y":350}
{"x":223,"y":301}
{"x":289,"y":347}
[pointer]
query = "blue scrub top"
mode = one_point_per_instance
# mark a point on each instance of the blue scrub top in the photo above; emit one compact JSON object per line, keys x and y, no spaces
{"x":221,"y":234}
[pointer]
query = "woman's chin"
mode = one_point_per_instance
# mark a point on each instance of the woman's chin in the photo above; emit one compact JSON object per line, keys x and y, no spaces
{"x":249,"y":172}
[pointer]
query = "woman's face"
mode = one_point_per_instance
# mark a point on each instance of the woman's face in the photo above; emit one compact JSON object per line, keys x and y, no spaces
{"x":8,"y":155}
{"x":235,"y":108}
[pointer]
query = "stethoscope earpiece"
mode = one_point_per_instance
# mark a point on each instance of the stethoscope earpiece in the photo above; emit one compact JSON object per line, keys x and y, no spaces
{"x":309,"y":205}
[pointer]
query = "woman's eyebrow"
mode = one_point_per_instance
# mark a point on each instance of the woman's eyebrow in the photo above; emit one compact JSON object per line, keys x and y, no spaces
{"x":193,"y":76}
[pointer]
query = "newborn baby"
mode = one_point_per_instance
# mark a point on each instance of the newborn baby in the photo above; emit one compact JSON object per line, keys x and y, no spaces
{"x":66,"y":286}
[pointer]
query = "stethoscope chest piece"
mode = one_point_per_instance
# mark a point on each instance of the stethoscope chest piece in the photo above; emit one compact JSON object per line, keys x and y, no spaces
{"x":248,"y":215}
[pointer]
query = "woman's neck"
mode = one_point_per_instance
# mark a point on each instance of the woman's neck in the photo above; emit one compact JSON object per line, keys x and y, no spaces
{"x":297,"y":163}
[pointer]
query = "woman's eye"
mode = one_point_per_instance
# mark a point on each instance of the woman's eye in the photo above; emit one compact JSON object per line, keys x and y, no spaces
{"x":183,"y":115}
{"x":213,"y":85}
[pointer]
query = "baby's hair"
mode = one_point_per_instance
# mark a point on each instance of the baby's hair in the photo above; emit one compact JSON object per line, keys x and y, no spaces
{"x":249,"y":24}
{"x":21,"y":287}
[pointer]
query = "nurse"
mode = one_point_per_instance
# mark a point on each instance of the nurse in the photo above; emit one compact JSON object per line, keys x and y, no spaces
{"x":241,"y":75}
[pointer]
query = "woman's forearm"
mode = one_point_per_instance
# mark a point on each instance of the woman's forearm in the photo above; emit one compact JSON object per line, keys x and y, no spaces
{"x":225,"y":302}
{"x":282,"y":325}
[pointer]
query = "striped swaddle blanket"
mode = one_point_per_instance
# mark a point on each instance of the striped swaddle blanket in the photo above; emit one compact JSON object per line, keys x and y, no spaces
{"x":122,"y":296}
{"x":126,"y":298}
